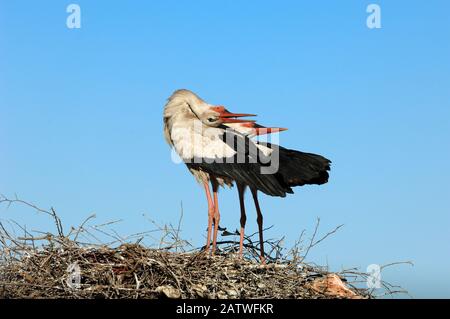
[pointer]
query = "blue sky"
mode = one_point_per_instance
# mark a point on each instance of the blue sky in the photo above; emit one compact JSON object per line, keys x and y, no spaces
{"x":81,"y":118}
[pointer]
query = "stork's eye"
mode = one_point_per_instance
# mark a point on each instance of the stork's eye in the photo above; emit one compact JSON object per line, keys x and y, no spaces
{"x":211,"y":119}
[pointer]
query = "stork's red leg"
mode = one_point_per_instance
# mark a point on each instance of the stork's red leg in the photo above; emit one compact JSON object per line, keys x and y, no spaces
{"x":210,"y":215}
{"x":260,"y":224}
{"x":241,"y":191}
{"x":216,"y":216}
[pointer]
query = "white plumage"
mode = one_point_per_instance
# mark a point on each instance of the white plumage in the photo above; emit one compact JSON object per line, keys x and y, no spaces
{"x":217,"y":148}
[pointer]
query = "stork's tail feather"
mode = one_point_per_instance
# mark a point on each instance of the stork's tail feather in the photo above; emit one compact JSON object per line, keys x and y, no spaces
{"x":298,"y":168}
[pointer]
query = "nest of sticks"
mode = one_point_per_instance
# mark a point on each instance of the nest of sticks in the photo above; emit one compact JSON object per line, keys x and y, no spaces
{"x":67,"y":266}
{"x":133,"y":271}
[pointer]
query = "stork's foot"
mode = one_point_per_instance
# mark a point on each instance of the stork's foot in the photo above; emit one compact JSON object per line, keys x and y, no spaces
{"x":262,"y":260}
{"x":214,"y":250}
{"x":206,"y":250}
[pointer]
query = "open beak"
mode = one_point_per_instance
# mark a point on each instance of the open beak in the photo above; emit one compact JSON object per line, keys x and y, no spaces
{"x":228,"y":117}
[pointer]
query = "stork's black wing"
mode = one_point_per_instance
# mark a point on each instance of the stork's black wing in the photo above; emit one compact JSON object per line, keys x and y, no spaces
{"x":299,"y":168}
{"x":246,"y":166}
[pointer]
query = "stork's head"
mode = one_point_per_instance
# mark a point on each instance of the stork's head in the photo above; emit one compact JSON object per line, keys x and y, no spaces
{"x":186,"y":105}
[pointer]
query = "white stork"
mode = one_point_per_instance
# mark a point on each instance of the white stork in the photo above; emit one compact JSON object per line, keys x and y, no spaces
{"x":217,"y":148}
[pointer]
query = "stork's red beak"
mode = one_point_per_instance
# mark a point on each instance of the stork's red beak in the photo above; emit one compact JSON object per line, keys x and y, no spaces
{"x":262,"y":130}
{"x":269,"y":130}
{"x":228,"y":117}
